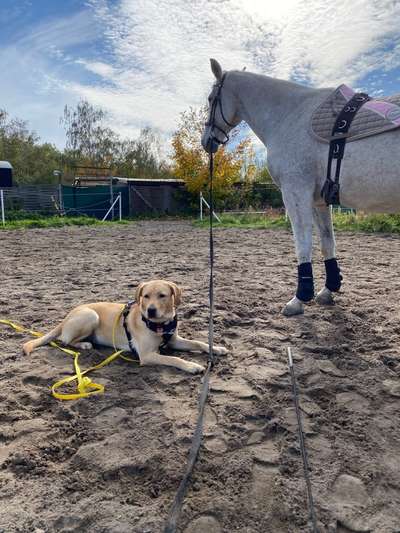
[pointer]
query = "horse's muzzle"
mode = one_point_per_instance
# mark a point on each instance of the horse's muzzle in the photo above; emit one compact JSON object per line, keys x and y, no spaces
{"x":211,"y":146}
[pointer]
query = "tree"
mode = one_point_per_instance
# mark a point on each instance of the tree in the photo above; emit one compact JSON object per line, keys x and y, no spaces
{"x":141,"y":158}
{"x":89,"y":141}
{"x":232,"y":163}
{"x":32,"y":161}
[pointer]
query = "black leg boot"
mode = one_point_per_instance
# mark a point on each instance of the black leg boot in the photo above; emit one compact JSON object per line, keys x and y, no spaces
{"x":305,"y":286}
{"x":333,"y":276}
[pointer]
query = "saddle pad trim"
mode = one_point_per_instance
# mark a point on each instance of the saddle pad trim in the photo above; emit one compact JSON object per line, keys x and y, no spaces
{"x":387,"y":110}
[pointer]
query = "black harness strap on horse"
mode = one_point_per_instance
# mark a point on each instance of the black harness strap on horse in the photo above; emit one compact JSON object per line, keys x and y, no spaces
{"x":176,"y":507}
{"x":330,"y":190}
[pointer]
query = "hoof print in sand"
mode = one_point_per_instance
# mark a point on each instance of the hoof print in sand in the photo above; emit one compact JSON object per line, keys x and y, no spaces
{"x":353,"y":402}
{"x":266,"y":453}
{"x":327,"y":367}
{"x":202,"y":524}
{"x":237,"y":387}
{"x":349,"y":502}
{"x":392,"y":387}
{"x":215,"y":445}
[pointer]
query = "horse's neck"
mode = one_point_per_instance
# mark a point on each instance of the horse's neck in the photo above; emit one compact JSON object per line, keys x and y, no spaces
{"x":265,"y":101}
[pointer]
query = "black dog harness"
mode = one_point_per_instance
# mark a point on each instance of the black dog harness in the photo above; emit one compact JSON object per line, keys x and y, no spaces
{"x":166,"y":330}
{"x":330,"y":190}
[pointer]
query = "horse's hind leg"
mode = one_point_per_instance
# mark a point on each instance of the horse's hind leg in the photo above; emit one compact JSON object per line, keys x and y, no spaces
{"x":299,"y":208}
{"x":323,"y":221}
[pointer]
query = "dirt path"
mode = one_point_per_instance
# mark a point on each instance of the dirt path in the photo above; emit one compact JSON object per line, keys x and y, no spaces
{"x":111,"y":464}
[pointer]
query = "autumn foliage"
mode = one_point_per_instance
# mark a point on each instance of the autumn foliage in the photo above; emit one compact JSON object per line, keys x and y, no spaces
{"x":231,"y":164}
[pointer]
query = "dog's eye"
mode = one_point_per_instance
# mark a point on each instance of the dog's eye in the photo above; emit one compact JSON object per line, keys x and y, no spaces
{"x":162,"y":295}
{"x":146,"y":296}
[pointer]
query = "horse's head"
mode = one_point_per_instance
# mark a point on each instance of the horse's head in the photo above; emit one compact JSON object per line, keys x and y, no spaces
{"x":221,"y":113}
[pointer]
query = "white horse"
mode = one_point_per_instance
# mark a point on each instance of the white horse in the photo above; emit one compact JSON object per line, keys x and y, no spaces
{"x":279,"y":113}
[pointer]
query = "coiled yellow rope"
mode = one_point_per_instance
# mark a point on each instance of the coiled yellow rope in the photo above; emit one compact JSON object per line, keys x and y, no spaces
{"x":85,"y":386}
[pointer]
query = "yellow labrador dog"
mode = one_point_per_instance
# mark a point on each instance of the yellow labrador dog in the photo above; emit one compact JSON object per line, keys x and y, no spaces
{"x":141,"y":327}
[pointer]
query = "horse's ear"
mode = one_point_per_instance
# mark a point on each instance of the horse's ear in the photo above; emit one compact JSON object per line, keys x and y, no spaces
{"x":216,"y":69}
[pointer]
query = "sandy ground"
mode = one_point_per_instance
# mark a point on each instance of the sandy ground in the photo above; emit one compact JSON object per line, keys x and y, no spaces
{"x":112,"y":463}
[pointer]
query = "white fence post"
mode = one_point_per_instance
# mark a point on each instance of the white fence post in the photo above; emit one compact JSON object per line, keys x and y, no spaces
{"x":111,"y":208}
{"x":3,"y":218}
{"x":201,"y":205}
{"x":120,"y":207}
{"x":202,"y":199}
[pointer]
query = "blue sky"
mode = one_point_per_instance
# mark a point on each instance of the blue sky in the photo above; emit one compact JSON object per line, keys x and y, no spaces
{"x":145,"y":61}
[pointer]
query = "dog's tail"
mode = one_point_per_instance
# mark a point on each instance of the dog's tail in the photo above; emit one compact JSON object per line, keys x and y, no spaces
{"x":29,"y":346}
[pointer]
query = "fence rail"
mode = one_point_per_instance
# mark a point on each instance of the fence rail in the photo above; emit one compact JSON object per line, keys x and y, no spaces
{"x":32,"y":198}
{"x":52,"y":200}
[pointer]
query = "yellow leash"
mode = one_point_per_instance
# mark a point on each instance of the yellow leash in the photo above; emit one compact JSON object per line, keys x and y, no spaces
{"x":85,"y":386}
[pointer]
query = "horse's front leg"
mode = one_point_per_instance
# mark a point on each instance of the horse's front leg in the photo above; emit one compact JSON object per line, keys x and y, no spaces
{"x":299,"y":209}
{"x":323,"y":221}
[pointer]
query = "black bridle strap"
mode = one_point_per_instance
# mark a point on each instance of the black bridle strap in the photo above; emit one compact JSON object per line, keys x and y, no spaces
{"x":218,"y":100}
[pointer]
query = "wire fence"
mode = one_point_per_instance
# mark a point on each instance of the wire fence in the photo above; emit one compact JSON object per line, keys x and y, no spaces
{"x":54,"y":200}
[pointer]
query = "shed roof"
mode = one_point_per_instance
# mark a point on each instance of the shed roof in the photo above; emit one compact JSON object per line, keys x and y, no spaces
{"x":5,"y":164}
{"x":150,"y":181}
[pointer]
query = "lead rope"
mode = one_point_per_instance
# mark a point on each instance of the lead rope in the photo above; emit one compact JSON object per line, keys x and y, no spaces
{"x":176,"y":506}
{"x":306,"y":467}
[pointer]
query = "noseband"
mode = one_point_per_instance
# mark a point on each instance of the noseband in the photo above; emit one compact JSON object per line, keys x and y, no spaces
{"x":218,"y":101}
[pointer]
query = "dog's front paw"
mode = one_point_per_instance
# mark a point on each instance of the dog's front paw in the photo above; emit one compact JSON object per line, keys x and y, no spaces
{"x":220,"y":350}
{"x":194,"y":368}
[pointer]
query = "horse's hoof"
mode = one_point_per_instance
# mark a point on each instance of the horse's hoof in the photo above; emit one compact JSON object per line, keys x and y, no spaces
{"x":294,"y":307}
{"x":324,"y":297}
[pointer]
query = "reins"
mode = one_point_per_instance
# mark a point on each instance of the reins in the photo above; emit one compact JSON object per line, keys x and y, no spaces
{"x":176,"y":506}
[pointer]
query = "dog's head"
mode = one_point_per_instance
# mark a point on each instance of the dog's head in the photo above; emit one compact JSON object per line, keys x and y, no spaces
{"x":158,"y":299}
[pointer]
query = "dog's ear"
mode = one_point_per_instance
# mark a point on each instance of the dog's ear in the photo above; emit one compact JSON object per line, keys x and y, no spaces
{"x":138,"y":293}
{"x":177,"y":293}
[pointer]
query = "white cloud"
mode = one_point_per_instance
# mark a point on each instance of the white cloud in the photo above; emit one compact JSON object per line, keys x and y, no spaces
{"x":157,"y":51}
{"x":162,"y":48}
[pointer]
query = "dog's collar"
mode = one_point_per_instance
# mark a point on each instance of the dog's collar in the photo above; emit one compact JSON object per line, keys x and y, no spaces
{"x":165,"y":330}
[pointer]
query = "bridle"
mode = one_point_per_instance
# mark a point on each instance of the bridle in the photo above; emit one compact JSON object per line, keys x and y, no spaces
{"x":218,"y":101}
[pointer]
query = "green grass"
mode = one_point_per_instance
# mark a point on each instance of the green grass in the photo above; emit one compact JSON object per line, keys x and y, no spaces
{"x":40,"y":221}
{"x":342,"y":222}
{"x":377,"y":223}
{"x":247,"y":221}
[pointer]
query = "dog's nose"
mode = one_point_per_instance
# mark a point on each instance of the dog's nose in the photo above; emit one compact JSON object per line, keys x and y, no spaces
{"x":151,"y":311}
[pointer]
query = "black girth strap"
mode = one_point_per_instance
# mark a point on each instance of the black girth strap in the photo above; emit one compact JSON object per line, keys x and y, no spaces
{"x":330,"y":190}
